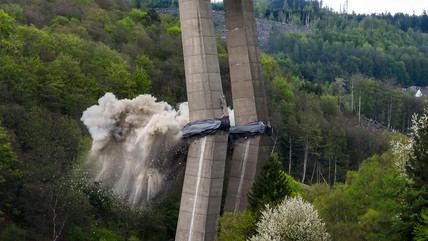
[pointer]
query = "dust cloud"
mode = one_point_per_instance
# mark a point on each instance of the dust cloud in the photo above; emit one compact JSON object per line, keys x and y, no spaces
{"x":134,"y":142}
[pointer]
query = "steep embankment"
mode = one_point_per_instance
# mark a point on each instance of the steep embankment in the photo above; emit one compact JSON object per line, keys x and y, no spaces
{"x":264,"y":27}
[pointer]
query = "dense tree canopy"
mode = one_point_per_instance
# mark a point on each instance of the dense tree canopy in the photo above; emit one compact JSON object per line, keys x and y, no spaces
{"x":334,"y":99}
{"x":371,"y":47}
{"x":48,"y":77}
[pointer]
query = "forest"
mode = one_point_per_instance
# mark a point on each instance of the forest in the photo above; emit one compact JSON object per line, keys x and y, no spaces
{"x":346,"y":142}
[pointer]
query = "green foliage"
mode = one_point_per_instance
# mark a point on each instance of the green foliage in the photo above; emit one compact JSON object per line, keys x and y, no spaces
{"x":60,"y":20}
{"x":334,"y":151}
{"x":75,"y":51}
{"x":371,"y":205}
{"x":366,"y":45}
{"x":140,"y":17}
{"x":281,"y":90}
{"x":174,"y":31}
{"x":270,"y":67}
{"x":133,"y":238}
{"x":76,"y":234}
{"x":309,"y":87}
{"x":8,"y":157}
{"x":47,"y":79}
{"x":107,"y":4}
{"x":329,"y":106}
{"x":271,"y":186}
{"x":161,"y":3}
{"x":6,"y":25}
{"x":309,"y":121}
{"x":9,"y":174}
{"x":13,"y":233}
{"x":421,"y":229}
{"x":71,"y":88}
{"x":140,"y":78}
{"x":13,"y":10}
{"x":145,"y":63}
{"x":237,"y":226}
{"x":292,"y":219}
{"x":417,"y":166}
{"x":126,"y":24}
{"x":412,"y":155}
{"x":102,"y":234}
{"x":154,"y":16}
{"x":96,"y":234}
{"x":158,"y":221}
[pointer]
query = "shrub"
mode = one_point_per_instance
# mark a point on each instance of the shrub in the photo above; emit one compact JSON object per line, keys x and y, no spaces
{"x":13,"y":233}
{"x":293,"y":219}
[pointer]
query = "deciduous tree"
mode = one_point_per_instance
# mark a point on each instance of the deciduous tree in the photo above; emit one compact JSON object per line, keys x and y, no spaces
{"x":294,"y":219}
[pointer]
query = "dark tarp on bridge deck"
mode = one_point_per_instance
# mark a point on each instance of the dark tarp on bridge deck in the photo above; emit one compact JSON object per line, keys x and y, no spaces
{"x":211,"y":126}
{"x":205,"y":127}
{"x":251,"y":129}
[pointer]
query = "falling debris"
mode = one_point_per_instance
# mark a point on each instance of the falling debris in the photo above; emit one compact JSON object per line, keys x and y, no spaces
{"x":133,"y":143}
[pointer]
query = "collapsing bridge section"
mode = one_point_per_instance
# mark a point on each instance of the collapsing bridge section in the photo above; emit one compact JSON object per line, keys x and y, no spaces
{"x":205,"y":168}
{"x":204,"y":175}
{"x":249,"y":100}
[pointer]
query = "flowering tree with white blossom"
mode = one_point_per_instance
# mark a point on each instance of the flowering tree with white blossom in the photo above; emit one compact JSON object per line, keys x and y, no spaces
{"x":294,"y":219}
{"x":417,"y":166}
{"x":412,"y":161}
{"x":412,"y":153}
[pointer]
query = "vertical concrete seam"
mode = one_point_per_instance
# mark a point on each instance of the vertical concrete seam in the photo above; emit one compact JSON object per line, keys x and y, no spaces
{"x":258,"y":61}
{"x":243,"y":169}
{"x":203,"y":53}
{"x":195,"y":200}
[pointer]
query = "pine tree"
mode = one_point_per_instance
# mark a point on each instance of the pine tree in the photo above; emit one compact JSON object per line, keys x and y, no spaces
{"x":271,"y":186}
{"x":421,"y":229}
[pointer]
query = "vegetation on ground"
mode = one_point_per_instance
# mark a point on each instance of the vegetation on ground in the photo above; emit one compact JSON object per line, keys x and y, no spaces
{"x":336,"y":98}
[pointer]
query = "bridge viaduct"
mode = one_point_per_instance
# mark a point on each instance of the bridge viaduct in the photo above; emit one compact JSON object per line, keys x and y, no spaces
{"x":205,"y":169}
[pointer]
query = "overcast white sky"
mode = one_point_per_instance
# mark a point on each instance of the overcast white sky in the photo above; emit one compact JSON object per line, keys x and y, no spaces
{"x":380,"y":6}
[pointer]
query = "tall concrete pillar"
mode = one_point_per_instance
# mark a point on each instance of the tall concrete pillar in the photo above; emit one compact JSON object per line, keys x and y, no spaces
{"x":249,"y":100}
{"x":203,"y":180}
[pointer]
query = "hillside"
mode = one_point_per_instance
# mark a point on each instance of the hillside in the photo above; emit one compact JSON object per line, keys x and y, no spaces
{"x":58,"y":58}
{"x":264,"y":26}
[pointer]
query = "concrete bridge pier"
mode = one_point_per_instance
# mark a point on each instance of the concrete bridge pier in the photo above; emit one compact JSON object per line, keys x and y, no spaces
{"x":249,"y":100}
{"x":203,"y":180}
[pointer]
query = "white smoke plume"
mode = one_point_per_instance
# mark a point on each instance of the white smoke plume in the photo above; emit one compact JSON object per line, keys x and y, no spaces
{"x":132,"y":141}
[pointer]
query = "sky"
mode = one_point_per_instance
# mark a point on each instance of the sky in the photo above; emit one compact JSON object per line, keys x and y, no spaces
{"x":380,"y":6}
